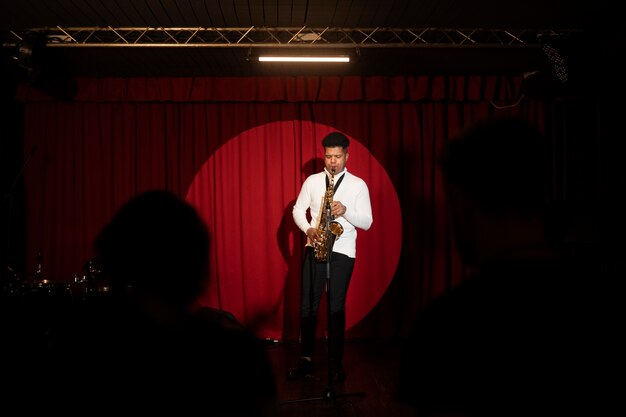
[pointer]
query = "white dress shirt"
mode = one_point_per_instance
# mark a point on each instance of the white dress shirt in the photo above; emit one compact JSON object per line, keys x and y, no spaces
{"x":352,"y":193}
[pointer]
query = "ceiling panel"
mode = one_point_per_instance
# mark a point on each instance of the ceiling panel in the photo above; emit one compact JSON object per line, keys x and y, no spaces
{"x":531,"y":14}
{"x":553,"y":15}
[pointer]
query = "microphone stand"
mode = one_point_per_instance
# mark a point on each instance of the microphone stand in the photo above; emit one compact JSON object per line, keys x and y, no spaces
{"x":329,"y":393}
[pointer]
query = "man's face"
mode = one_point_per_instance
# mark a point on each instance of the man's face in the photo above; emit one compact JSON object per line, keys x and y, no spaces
{"x":335,"y":159}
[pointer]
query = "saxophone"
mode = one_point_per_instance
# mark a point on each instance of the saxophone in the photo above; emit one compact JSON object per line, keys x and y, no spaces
{"x":321,"y":247}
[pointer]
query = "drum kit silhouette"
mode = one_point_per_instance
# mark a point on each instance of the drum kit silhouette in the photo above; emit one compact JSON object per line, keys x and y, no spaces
{"x":36,"y":285}
{"x":35,"y":310}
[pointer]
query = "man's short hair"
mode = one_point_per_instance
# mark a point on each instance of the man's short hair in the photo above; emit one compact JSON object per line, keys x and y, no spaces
{"x":334,"y":139}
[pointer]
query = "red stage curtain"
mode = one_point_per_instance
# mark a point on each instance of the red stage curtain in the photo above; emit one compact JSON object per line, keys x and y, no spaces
{"x":238,"y":149}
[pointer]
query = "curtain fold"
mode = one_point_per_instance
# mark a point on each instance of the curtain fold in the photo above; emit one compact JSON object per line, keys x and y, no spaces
{"x":239,"y":149}
{"x":289,"y":89}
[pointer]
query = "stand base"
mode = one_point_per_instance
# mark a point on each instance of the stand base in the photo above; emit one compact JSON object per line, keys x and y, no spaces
{"x":328,"y":395}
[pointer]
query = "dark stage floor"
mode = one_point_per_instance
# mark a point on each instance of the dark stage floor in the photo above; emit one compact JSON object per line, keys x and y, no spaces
{"x":371,"y":365}
{"x":370,"y":389}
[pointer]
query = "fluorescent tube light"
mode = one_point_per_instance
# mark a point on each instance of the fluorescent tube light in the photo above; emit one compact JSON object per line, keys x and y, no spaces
{"x":304,"y":59}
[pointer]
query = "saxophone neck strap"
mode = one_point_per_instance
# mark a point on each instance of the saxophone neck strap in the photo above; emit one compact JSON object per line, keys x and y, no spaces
{"x":336,"y":184}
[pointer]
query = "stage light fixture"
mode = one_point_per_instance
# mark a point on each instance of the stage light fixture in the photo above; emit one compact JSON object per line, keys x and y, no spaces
{"x":284,"y":58}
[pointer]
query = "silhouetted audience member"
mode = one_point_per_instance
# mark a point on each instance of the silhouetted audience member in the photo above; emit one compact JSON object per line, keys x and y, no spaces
{"x":146,"y":346}
{"x":532,"y":332}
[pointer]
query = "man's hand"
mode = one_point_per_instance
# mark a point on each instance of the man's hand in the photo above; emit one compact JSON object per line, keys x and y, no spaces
{"x":313,"y":234}
{"x":337,"y":209}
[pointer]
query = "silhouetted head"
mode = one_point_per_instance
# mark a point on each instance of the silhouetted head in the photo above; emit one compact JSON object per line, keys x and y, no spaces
{"x":502,"y":163}
{"x":156,"y":244}
{"x":497,"y":181}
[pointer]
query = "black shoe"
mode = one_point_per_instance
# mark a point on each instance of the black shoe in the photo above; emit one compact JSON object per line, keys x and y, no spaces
{"x":304,"y":369}
{"x":337,"y":373}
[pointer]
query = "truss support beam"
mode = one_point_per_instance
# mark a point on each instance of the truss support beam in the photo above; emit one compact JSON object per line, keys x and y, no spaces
{"x":289,"y":37}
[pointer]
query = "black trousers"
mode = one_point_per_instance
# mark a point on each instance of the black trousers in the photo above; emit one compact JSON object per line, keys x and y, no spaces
{"x":314,"y":278}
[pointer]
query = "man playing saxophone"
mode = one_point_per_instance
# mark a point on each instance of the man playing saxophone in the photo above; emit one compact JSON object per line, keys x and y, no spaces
{"x":338,"y":203}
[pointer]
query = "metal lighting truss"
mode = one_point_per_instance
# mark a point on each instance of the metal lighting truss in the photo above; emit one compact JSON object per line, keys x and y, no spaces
{"x":289,"y":37}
